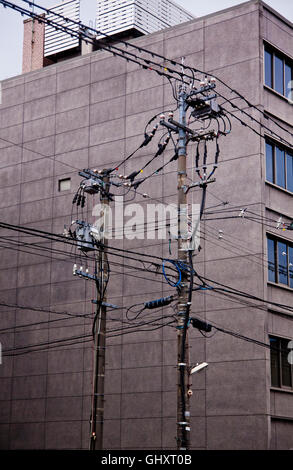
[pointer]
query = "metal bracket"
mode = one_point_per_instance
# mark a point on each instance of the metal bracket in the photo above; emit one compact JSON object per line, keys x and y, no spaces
{"x":200,"y":184}
{"x":169,"y":126}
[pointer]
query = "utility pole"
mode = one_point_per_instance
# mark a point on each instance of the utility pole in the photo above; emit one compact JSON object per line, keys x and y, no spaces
{"x":203,"y":106}
{"x":97,"y":410}
{"x":183,"y":413}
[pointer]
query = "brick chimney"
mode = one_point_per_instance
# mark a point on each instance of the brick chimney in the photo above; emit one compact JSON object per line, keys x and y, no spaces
{"x":33,"y":45}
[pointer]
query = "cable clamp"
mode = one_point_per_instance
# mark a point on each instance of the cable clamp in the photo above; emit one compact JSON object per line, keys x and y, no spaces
{"x":182,"y":364}
{"x":188,"y":304}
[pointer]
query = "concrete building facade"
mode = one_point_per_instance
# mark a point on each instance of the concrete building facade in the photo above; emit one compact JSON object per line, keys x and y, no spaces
{"x":90,"y":112}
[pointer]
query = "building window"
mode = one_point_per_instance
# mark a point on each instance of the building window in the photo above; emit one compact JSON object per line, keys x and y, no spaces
{"x":281,"y":369}
{"x":64,"y":184}
{"x":279,"y":165}
{"x":280,"y":262}
{"x":268,"y":68}
{"x":278,"y":71}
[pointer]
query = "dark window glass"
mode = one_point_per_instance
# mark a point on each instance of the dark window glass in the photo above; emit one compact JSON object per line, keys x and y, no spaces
{"x":289,"y":161}
{"x":268,"y":69}
{"x":279,"y":74}
{"x":275,"y":362}
{"x":280,"y":167}
{"x":282,"y":263}
{"x":269,"y":163}
{"x":286,"y":366}
{"x":291,"y":266}
{"x":278,"y":70}
{"x":271,"y":260}
{"x":288,"y":81}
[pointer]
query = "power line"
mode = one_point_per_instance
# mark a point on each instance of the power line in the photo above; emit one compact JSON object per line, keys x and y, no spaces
{"x":180,"y":74}
{"x":44,"y":346}
{"x":14,"y":227}
{"x":238,"y":335}
{"x":134,"y":58}
{"x":240,"y":293}
{"x":42,"y":309}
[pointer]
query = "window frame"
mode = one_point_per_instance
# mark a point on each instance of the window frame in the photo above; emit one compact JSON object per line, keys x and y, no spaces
{"x":288,"y":154}
{"x":289,"y":245}
{"x":61,"y":181}
{"x":287,"y":61}
{"x":280,"y":348}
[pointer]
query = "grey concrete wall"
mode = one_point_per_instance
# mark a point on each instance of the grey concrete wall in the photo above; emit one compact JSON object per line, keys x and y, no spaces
{"x":90,"y":112}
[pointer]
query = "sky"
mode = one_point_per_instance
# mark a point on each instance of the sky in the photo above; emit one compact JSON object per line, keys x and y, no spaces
{"x":11,"y":27}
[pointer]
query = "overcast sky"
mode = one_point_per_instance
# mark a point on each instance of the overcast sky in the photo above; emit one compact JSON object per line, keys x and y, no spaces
{"x":11,"y":28}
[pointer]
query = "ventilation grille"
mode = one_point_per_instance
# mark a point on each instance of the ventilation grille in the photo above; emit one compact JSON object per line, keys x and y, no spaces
{"x":58,"y":41}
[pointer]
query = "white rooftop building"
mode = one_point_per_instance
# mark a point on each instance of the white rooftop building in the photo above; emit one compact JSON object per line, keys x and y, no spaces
{"x":59,"y":39}
{"x":144,"y":16}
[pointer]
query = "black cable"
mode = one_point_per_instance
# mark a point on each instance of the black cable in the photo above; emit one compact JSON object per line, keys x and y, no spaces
{"x":197,"y":156}
{"x":109,"y":253}
{"x":136,"y":313}
{"x":147,"y":139}
{"x":172,"y":159}
{"x":161,"y":149}
{"x":173,"y":62}
{"x":42,"y":309}
{"x":217,"y":154}
{"x":133,"y":259}
{"x":231,"y":290}
{"x":240,"y":336}
{"x":124,"y":250}
{"x":47,"y":343}
{"x":122,"y":53}
{"x":85,"y":338}
{"x":62,"y":238}
{"x":101,"y":43}
{"x":19,"y":228}
{"x":24,"y":326}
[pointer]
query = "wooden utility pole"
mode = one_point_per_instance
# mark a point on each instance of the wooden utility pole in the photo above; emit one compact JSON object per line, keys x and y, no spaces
{"x":183,"y":413}
{"x":97,"y":413}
